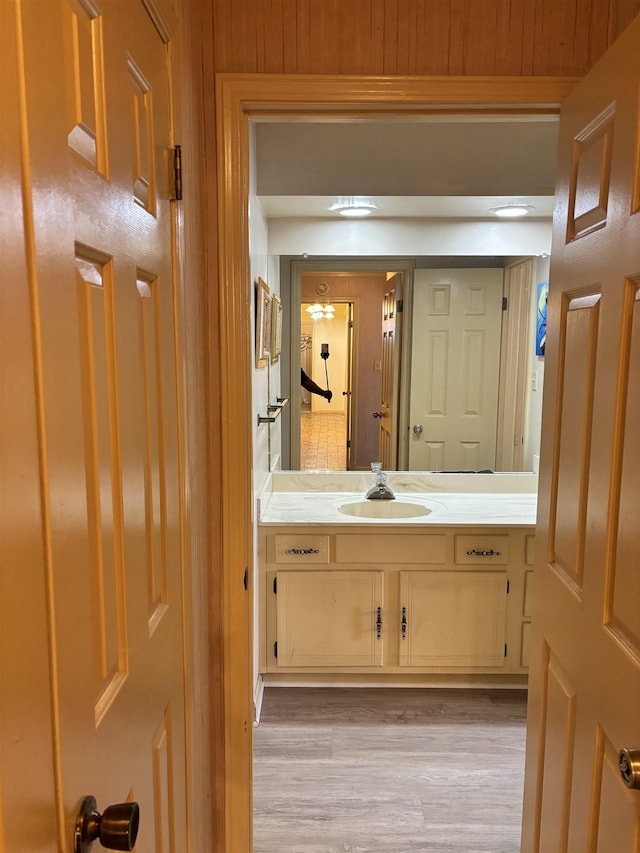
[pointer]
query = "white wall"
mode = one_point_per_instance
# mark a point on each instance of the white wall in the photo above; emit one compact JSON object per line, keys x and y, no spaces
{"x":409,"y":237}
{"x":265,"y":385}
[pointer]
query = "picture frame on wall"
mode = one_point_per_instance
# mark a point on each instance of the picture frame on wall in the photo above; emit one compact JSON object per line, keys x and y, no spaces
{"x":263,"y":323}
{"x":276,"y":328}
{"x":541,"y":317}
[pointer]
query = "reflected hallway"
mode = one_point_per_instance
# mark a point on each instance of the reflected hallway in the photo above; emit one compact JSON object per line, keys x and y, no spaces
{"x":323,"y":441}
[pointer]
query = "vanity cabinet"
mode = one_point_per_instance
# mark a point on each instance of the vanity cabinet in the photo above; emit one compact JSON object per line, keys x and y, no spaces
{"x":395,"y":604}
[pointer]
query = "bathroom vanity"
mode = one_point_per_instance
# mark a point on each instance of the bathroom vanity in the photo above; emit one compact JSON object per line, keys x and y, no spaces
{"x":433,"y":587}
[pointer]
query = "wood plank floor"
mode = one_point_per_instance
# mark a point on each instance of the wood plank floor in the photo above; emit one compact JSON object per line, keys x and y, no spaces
{"x":380,"y":770}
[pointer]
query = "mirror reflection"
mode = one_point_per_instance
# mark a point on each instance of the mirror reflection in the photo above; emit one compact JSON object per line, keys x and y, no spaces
{"x":427,"y":368}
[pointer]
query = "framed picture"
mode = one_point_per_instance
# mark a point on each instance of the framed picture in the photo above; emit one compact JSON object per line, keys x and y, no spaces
{"x":276,"y":328}
{"x":541,"y":317}
{"x":263,"y":323}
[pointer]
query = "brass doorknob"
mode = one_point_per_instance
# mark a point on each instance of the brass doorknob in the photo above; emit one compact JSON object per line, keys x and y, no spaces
{"x":116,"y":828}
{"x":629,"y":764}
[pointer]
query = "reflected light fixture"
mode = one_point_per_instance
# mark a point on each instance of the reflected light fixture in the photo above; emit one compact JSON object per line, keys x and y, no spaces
{"x":511,"y":211}
{"x":353,"y":207}
{"x":321,"y":312}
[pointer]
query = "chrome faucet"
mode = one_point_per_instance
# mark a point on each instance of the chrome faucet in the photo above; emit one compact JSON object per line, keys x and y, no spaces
{"x":380,"y":491}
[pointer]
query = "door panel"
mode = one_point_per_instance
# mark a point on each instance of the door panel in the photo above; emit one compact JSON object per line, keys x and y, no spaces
{"x":27,"y":808}
{"x":328,"y":618}
{"x":455,"y":360}
{"x":585,"y":674}
{"x":104,"y":271}
{"x":453,"y":618}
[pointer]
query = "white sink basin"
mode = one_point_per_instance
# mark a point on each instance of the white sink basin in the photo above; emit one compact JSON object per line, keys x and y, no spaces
{"x":384,"y":509}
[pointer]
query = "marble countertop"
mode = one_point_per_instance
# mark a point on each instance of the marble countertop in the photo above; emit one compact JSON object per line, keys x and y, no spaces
{"x":309,"y":506}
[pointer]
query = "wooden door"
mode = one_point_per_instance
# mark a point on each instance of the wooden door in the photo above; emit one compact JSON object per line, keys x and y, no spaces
{"x":101,"y":274}
{"x":585,"y":679}
{"x":329,"y":618}
{"x":454,"y":369}
{"x":388,"y":412}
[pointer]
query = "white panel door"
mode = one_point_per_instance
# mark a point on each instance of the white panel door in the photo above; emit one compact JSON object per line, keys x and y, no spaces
{"x":584,"y":705}
{"x":455,"y":361}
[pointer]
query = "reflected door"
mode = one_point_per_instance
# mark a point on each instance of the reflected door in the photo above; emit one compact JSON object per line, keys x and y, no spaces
{"x":455,"y":361}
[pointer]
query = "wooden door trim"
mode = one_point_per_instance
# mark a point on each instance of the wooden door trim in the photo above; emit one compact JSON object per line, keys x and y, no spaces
{"x":240,"y":97}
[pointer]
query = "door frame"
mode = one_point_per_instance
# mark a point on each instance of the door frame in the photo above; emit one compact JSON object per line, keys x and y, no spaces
{"x":240,"y":97}
{"x":295,"y":406}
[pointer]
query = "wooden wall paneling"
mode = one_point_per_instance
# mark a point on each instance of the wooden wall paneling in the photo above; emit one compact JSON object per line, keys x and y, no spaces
{"x":430,"y":50}
{"x":509,"y":38}
{"x":422,"y":37}
{"x":557,"y":39}
{"x":371,"y":48}
{"x":457,"y":18}
{"x":392,"y":60}
{"x":621,"y":13}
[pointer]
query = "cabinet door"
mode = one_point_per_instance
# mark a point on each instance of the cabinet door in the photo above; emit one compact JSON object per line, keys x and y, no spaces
{"x":329,"y":618}
{"x":452,"y":618}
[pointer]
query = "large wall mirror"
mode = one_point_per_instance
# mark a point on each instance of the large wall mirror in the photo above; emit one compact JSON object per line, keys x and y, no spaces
{"x":433,"y":301}
{"x":431,"y":363}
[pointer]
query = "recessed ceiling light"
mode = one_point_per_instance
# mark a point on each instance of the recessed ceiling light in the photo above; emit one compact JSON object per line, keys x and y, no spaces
{"x":353,"y":208}
{"x":511,"y":211}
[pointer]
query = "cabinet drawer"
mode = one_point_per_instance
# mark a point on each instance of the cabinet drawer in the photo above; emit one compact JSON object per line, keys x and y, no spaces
{"x":482,"y":549}
{"x":381,"y":548}
{"x":304,"y":548}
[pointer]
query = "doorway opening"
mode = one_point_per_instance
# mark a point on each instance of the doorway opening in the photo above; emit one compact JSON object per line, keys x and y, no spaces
{"x":249,"y":96}
{"x":326,"y":354}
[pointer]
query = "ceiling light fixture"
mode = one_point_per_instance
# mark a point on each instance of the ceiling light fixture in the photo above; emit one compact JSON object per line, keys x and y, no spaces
{"x":353,"y":207}
{"x":321,"y":312}
{"x":511,"y":211}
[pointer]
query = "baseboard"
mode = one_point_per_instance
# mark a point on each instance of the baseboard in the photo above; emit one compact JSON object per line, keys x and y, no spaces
{"x":515,"y":682}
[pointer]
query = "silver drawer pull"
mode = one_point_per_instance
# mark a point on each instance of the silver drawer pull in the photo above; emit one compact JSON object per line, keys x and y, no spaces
{"x":302,"y":551}
{"x":474,"y":553}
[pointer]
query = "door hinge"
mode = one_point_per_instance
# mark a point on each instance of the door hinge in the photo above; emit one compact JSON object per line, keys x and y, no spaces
{"x":348,"y":442}
{"x":275,"y":586}
{"x":245,"y":580}
{"x":275,"y":649}
{"x":177,"y":173}
{"x":505,"y":303}
{"x":351,"y":324}
{"x":400,"y":306}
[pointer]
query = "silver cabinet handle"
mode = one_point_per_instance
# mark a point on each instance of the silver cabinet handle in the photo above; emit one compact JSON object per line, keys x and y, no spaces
{"x":302,"y":551}
{"x":474,"y":553}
